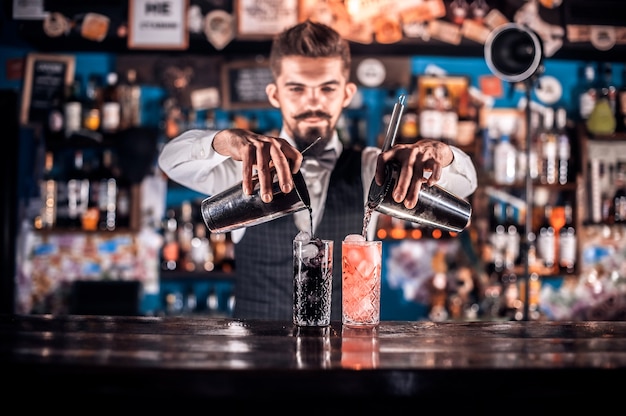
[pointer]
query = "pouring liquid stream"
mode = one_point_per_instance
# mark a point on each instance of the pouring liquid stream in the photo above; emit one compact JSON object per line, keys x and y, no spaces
{"x":390,"y":139}
{"x":308,"y":207}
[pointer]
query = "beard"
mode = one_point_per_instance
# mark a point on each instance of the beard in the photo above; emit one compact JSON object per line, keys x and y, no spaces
{"x":304,"y":137}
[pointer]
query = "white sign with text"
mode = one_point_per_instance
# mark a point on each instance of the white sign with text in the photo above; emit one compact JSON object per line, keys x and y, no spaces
{"x":158,"y":24}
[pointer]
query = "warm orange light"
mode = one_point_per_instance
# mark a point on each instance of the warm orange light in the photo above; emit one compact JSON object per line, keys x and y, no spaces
{"x":416,"y":234}
{"x":437,"y":234}
{"x":557,"y":217}
{"x":398,"y":233}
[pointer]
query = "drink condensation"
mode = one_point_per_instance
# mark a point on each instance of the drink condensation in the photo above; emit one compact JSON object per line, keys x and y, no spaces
{"x":361,"y":273}
{"x":312,"y":280}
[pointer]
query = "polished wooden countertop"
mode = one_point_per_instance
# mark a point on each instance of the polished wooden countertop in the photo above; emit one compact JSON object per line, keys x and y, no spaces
{"x":147,"y":359}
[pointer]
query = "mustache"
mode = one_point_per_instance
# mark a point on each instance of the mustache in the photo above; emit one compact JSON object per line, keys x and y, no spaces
{"x":308,"y":114}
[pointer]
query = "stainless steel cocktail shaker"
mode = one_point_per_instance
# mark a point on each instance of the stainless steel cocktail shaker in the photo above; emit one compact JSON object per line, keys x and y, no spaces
{"x":436,"y":207}
{"x":232,"y":209}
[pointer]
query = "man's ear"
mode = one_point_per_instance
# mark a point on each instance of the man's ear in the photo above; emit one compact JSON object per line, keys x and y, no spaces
{"x":272,"y":92}
{"x":351,"y":89}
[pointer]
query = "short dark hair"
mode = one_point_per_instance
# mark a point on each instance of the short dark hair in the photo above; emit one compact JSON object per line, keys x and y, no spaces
{"x":309,"y":39}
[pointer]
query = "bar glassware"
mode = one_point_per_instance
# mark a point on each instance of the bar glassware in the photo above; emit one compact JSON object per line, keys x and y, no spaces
{"x":361,"y":262}
{"x":312,"y":281}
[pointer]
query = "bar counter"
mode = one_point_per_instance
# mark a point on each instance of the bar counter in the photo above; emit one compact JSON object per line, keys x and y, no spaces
{"x":204,"y":360}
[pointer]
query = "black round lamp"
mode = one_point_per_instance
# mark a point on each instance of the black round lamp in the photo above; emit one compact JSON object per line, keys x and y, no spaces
{"x":514,"y":53}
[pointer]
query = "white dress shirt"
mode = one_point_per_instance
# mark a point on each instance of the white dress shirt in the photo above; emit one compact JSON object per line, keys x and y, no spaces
{"x":190,"y":160}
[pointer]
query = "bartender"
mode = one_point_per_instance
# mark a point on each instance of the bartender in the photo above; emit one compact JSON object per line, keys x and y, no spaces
{"x":310,"y":65}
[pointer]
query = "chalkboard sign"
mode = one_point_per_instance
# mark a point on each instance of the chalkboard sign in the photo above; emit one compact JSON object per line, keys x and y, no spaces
{"x":44,"y":77}
{"x":243,"y":84}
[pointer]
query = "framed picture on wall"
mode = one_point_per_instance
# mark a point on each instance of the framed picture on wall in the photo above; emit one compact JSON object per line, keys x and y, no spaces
{"x":45,"y":76}
{"x":157,"y":25}
{"x":263,"y":19}
{"x":451,"y":88}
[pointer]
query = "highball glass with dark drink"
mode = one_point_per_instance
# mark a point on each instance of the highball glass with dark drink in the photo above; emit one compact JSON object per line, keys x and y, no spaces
{"x":312,"y":281}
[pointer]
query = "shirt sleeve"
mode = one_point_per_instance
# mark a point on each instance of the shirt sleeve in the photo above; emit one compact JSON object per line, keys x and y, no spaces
{"x":459,"y":177}
{"x":190,"y":160}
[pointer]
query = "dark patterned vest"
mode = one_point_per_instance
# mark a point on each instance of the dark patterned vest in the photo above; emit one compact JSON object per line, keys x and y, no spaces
{"x":263,"y":257}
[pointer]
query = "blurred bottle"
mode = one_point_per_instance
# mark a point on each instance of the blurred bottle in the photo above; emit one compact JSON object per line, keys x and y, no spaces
{"x":607,"y":189}
{"x":534,"y":294}
{"x":91,"y":217}
{"x":534,"y":162}
{"x":218,"y":244}
{"x":497,"y":238}
{"x":568,"y":242}
{"x":48,"y":192}
{"x":107,"y":193}
{"x":111,"y":108}
{"x":621,"y":104}
{"x":602,"y":120}
{"x":510,"y":306}
{"x":409,"y":131}
{"x":619,"y":198}
{"x":546,"y":240}
{"x":174,"y":303}
{"x":431,"y":121}
{"x":449,"y":118}
{"x":513,"y":239}
{"x":607,"y":86}
{"x":459,"y":10}
{"x":73,"y":109}
{"x":170,"y":251}
{"x":77,"y":192}
{"x":230,"y":301}
{"x":191,"y":301}
{"x":92,"y":112}
{"x":586,"y":92}
{"x":505,"y":161}
{"x":130,"y":101}
{"x":55,"y":121}
{"x":478,"y":10}
{"x":212,"y":301}
{"x":563,"y":146}
{"x":594,"y":190}
{"x":549,"y":149}
{"x":490,"y":137}
{"x":124,"y":203}
{"x":185,"y":236}
{"x":201,"y":251}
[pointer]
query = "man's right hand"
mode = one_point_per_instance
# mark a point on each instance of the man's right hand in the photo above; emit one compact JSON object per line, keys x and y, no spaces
{"x":261,"y":155}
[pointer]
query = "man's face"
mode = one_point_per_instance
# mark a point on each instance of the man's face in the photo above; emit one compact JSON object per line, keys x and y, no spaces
{"x":311,"y":94}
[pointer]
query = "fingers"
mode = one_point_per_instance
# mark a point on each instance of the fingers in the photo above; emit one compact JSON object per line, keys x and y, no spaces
{"x":410,"y":178}
{"x":265,"y":172}
{"x":380,"y":168}
{"x":418,"y":163}
{"x":248,"y":157}
{"x":265,"y":157}
{"x":286,"y":160}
